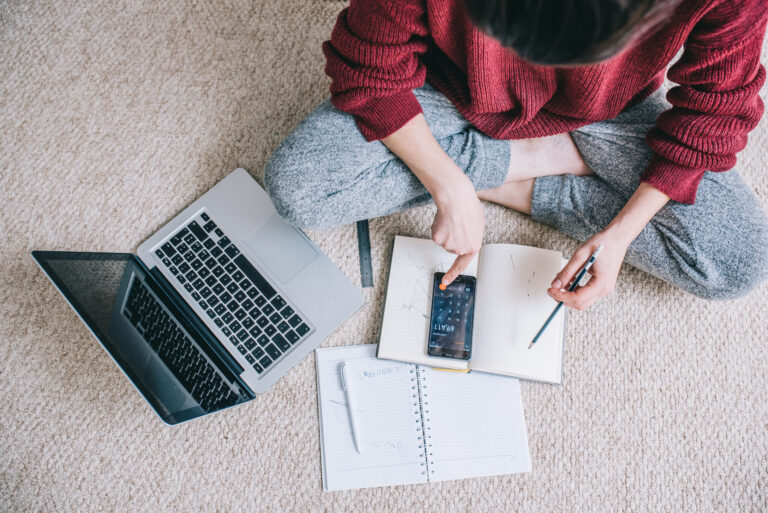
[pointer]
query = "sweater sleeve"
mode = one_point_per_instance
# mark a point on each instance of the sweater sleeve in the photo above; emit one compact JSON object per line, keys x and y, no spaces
{"x":373,"y":61}
{"x":716,"y":102}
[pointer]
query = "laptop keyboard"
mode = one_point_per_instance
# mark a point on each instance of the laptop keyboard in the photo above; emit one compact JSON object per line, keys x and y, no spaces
{"x":238,"y":299}
{"x":177,"y":350}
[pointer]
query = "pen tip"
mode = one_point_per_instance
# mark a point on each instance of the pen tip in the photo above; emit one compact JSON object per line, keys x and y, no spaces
{"x":530,"y":345}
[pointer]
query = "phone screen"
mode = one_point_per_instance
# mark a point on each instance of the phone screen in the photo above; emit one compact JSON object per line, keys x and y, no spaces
{"x":453,"y":311}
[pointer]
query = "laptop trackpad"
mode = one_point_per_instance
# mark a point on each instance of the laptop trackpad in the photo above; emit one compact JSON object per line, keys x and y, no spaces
{"x":281,"y":248}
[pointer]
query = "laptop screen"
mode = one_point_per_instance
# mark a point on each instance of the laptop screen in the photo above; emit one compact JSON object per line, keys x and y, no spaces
{"x":156,"y":350}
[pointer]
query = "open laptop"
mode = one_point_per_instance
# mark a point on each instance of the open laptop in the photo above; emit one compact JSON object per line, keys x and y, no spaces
{"x":215,"y":307}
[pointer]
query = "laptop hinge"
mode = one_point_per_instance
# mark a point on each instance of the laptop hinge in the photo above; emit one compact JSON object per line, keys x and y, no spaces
{"x":192,"y":323}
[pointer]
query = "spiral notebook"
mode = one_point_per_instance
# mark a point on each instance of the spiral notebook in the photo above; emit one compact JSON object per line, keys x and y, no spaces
{"x":511,"y":304}
{"x":415,"y":424}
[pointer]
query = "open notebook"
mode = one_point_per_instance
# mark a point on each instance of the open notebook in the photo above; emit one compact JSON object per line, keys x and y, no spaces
{"x":473,"y":423}
{"x":511,"y":304}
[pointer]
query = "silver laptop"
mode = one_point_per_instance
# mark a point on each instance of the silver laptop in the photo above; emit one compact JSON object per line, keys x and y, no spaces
{"x":215,"y":307}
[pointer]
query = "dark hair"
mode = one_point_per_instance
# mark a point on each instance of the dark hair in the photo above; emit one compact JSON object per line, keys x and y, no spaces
{"x":567,"y":32}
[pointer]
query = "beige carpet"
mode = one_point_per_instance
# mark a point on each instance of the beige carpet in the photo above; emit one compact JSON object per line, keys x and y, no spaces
{"x":115,"y":115}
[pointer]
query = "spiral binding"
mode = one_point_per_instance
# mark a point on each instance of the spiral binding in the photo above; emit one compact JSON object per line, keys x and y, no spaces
{"x":422,"y":421}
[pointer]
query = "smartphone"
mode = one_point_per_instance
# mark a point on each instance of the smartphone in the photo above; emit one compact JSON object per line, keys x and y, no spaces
{"x":451,"y":320}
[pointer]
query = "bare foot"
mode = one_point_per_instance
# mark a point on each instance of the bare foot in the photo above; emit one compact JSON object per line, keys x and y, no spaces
{"x":533,"y":158}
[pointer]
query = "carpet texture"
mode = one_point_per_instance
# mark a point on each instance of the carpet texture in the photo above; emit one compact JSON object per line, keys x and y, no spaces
{"x":115,"y":115}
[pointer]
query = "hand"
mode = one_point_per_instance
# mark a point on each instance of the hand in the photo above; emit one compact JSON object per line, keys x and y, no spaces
{"x":459,"y":223}
{"x":604,"y":271}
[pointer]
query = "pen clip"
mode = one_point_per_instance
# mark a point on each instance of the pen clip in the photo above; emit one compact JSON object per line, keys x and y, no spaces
{"x":341,"y":373}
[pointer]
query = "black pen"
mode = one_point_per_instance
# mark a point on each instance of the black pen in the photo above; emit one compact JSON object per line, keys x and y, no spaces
{"x":573,"y":286}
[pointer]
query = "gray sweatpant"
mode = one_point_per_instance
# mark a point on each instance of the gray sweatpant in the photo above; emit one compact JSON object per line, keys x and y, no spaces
{"x":326,"y":174}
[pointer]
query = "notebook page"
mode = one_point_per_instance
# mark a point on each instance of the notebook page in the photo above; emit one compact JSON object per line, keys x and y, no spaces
{"x":392,"y":455}
{"x":405,"y":324}
{"x":512,"y":304}
{"x":476,"y":425}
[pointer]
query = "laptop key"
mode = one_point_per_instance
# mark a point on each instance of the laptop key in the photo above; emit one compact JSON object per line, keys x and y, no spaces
{"x":230,"y":268}
{"x":225,"y":296}
{"x":280,"y":341}
{"x":184,"y":267}
{"x":210,"y":313}
{"x":215,"y":250}
{"x":198,"y":284}
{"x":240,"y":295}
{"x":174,"y":270}
{"x":275,"y":318}
{"x":260,"y":300}
{"x":238,"y":276}
{"x":250,"y":344}
{"x":226,"y":330}
{"x":176,"y":239}
{"x":252,"y":293}
{"x":234,"y":326}
{"x":210,"y":263}
{"x":209,"y":226}
{"x":255,"y":331}
{"x":294,"y":321}
{"x":203,"y":303}
{"x":232,"y":287}
{"x":218,"y":288}
{"x":270,"y":330}
{"x":246,"y":285}
{"x":242,"y":349}
{"x":208,"y":243}
{"x":211,"y":281}
{"x":205,"y":217}
{"x":223,"y":259}
{"x":220,"y":309}
{"x":273,"y":351}
{"x":195,"y":228}
{"x":232,"y":251}
{"x":278,"y":302}
{"x":213,"y":301}
{"x":232,"y":305}
{"x":283,"y":327}
{"x":225,"y":279}
{"x":263,"y":340}
{"x":189,"y":256}
{"x":188,"y":287}
{"x":286,"y":312}
{"x":240,"y":314}
{"x":159,"y":252}
{"x":203,"y":272}
{"x":250,"y":359}
{"x":183,"y":248}
{"x":218,"y":232}
{"x":242,"y":335}
{"x":247,"y":304}
{"x":218,"y":322}
{"x":223,"y":242}
{"x":217,"y":271}
{"x":167,"y":262}
{"x":190,"y":239}
{"x":258,"y":368}
{"x":197,"y":247}
{"x":258,"y":352}
{"x":191,"y":275}
{"x":292,"y":337}
{"x":227,"y":317}
{"x":203,"y":255}
{"x":196,"y":264}
{"x":262,"y":321}
{"x":205,"y":292}
{"x":195,"y":296}
{"x":303,"y":329}
{"x":266,"y":361}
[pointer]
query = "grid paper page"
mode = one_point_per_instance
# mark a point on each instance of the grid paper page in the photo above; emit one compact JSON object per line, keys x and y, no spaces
{"x":476,"y":425}
{"x":512,"y":304}
{"x":405,"y":325}
{"x":392,"y":456}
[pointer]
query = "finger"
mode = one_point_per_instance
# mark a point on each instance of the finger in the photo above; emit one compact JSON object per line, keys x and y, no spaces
{"x":565,"y":276}
{"x":581,"y":298}
{"x":461,"y":263}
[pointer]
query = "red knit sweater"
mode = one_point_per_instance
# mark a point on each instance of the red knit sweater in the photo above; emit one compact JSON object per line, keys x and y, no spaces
{"x":380,"y":50}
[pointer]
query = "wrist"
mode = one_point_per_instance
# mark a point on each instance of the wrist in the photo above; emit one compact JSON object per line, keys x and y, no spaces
{"x":445,"y":182}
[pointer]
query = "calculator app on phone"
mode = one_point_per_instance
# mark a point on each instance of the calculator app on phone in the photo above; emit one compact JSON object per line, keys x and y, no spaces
{"x":451,"y":321}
